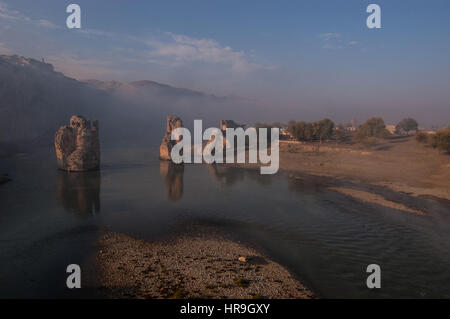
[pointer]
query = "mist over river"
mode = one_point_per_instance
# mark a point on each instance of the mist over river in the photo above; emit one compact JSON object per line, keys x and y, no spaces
{"x":51,"y":218}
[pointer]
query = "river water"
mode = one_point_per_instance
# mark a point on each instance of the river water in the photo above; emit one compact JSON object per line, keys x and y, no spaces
{"x":50,"y":219}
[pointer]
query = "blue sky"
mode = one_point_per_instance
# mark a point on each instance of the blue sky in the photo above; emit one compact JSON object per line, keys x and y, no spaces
{"x":313,"y":57}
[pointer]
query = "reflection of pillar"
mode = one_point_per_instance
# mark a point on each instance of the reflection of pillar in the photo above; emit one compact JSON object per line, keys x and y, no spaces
{"x":228,"y":175}
{"x":79,"y":192}
{"x":173,"y":177}
{"x":225,"y":175}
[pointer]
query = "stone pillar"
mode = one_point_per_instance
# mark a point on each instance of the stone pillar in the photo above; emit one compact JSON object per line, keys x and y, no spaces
{"x":77,"y":145}
{"x":165,"y":149}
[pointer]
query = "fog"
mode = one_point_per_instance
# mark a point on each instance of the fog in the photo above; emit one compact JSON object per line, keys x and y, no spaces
{"x":36,"y":101}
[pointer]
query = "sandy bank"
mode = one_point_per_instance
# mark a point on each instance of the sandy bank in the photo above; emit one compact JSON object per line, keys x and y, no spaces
{"x":401,"y":164}
{"x":375,"y":199}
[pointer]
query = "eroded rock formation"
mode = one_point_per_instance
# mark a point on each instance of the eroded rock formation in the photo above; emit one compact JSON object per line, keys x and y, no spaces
{"x":173,"y":122}
{"x":77,"y":145}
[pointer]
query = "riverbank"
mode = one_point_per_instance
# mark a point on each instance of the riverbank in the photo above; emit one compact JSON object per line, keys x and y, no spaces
{"x":196,"y":266}
{"x":398,"y":173}
{"x":400,"y":164}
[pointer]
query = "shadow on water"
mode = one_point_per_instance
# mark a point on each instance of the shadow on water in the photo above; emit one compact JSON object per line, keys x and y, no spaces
{"x":79,"y":192}
{"x":172,"y":175}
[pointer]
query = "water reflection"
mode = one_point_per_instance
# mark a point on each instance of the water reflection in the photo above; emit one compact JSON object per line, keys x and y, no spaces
{"x":173,"y":177}
{"x":79,"y":192}
{"x":324,"y":237}
{"x":228,"y":175}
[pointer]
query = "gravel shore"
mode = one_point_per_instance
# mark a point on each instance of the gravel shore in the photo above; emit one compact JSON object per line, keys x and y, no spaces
{"x":191,"y":267}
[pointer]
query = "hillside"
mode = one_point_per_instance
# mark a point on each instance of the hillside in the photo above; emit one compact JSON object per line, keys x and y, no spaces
{"x":35,"y":100}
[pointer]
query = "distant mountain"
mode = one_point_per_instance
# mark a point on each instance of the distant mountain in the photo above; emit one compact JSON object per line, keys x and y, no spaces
{"x":35,"y":100}
{"x":149,"y":86}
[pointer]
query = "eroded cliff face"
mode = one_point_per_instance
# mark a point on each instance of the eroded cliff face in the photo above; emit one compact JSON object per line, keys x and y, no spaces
{"x":173,"y":122}
{"x":77,"y":145}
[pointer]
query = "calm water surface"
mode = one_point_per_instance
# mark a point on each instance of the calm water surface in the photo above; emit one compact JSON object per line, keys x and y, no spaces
{"x":50,"y":219}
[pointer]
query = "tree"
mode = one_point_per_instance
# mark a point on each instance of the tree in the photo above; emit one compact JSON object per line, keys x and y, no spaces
{"x":373,"y":127}
{"x":304,"y":131}
{"x":326,"y":127}
{"x":407,"y":125}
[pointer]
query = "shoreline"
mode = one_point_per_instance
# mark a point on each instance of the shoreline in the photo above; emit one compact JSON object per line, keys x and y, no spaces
{"x":401,"y":165}
{"x":400,"y":174}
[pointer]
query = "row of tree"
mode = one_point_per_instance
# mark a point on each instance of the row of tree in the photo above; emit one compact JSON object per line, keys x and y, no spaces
{"x":375,"y":127}
{"x":372,"y":128}
{"x":324,"y":129}
{"x":310,"y":131}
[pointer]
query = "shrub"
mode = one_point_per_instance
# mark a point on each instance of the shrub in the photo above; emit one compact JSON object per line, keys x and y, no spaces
{"x":439,"y":140}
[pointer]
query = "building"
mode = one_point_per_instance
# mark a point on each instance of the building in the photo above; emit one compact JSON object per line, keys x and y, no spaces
{"x":390,"y":128}
{"x":285,"y":134}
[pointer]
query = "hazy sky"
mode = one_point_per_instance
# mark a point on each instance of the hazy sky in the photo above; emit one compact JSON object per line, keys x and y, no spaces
{"x":313,"y":57}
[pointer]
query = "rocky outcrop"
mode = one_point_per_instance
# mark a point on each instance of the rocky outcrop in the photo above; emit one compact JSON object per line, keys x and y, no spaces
{"x":165,"y":149}
{"x":77,"y":145}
